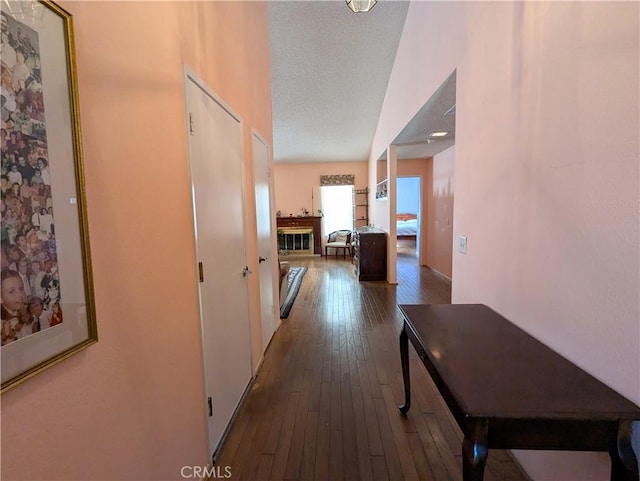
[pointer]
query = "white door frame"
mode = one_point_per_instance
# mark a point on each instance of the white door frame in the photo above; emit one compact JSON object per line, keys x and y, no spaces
{"x":419,"y":236}
{"x":190,"y":76}
{"x":271,"y":324}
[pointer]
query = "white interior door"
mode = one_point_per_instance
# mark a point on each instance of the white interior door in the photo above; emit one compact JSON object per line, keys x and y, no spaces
{"x":215,"y":154}
{"x":265,"y":241}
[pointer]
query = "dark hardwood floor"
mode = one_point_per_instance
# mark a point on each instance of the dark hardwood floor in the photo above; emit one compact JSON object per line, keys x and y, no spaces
{"x":324,"y":405}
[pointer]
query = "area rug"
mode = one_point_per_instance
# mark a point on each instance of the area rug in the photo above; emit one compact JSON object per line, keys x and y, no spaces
{"x":295,"y":279}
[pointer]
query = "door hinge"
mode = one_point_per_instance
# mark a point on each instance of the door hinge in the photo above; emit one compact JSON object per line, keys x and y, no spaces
{"x":201,"y":271}
{"x":210,"y":403}
{"x":191,"y":129}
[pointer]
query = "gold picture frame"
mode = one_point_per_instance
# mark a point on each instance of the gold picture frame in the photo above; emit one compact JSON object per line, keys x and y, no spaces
{"x":48,"y":311}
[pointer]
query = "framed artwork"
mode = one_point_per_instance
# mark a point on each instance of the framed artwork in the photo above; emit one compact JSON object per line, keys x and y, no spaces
{"x":47,"y":303}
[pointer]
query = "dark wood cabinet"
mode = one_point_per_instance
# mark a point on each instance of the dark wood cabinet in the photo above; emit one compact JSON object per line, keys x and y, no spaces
{"x":313,"y":222}
{"x":370,"y":254}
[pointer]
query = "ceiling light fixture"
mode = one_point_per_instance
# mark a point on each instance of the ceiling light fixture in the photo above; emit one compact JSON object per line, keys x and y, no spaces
{"x":361,"y":6}
{"x":438,"y":134}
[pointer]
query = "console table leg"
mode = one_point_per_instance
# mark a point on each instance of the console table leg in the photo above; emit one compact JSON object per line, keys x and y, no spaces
{"x":404,"y":359}
{"x":475,"y":450}
{"x":624,"y":464}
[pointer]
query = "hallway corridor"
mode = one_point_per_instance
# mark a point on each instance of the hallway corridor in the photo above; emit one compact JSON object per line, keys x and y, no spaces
{"x":324,"y":403}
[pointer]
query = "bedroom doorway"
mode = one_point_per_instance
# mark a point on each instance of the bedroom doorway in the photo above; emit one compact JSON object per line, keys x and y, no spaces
{"x":408,"y":208}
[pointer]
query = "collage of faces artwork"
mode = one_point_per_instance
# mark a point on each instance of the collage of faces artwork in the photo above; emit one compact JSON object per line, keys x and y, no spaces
{"x":30,"y":281}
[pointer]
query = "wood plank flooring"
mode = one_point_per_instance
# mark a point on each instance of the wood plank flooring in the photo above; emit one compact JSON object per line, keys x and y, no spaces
{"x":324,"y":405}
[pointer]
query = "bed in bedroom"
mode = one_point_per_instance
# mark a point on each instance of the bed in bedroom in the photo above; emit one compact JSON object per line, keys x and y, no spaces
{"x":407,"y":226}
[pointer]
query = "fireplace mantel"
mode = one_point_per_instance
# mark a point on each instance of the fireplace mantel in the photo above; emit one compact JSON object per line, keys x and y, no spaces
{"x":307,"y":221}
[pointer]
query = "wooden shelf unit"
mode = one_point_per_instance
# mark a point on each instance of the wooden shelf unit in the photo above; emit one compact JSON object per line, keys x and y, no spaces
{"x":360,"y":207}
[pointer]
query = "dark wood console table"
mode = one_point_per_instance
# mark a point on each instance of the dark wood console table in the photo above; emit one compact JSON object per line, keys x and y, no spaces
{"x":307,"y":221}
{"x":507,"y":390}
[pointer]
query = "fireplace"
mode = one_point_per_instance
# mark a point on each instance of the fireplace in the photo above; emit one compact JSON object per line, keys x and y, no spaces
{"x":296,"y":240}
{"x":307,"y":222}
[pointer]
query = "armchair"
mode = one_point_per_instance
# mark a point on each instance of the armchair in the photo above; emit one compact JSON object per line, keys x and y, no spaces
{"x":339,"y":239}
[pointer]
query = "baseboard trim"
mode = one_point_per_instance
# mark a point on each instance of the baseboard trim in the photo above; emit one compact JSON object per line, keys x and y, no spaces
{"x":232,"y":420}
{"x":439,"y":274}
{"x":259,"y":365}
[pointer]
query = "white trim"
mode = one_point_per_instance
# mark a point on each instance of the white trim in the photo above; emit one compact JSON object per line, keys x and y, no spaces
{"x":275,"y":270}
{"x":190,"y":76}
{"x":439,"y":274}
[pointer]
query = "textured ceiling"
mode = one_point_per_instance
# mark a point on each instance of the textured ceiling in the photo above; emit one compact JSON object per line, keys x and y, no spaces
{"x":330,"y":69}
{"x":329,"y":73}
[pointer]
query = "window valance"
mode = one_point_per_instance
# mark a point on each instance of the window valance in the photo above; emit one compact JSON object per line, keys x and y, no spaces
{"x":345,"y":179}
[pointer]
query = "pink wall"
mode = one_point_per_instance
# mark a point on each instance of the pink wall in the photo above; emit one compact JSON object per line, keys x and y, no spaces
{"x":295,"y":183}
{"x":436,"y":227}
{"x":549,"y":208}
{"x":440,"y":239}
{"x":131,"y":406}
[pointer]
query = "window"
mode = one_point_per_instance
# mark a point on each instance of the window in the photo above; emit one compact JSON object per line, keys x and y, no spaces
{"x":336,"y":203}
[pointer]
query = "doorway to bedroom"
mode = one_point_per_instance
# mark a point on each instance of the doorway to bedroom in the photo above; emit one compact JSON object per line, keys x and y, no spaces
{"x":408,"y":208}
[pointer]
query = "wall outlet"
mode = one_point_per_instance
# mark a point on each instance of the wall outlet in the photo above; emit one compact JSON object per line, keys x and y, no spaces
{"x":462,"y":244}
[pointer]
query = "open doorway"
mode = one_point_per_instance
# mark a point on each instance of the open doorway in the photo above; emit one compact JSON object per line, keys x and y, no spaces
{"x":426,"y":148}
{"x":409,"y":208}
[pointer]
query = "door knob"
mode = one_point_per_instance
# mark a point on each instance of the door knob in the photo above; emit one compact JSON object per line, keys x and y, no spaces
{"x":262,"y":259}
{"x":246,"y":271}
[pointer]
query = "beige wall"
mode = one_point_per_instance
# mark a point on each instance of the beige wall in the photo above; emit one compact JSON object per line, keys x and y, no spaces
{"x":549,"y":206}
{"x":295,"y":183}
{"x":132,"y":406}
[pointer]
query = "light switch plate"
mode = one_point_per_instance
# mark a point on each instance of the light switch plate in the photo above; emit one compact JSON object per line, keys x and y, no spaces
{"x":462,"y":244}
